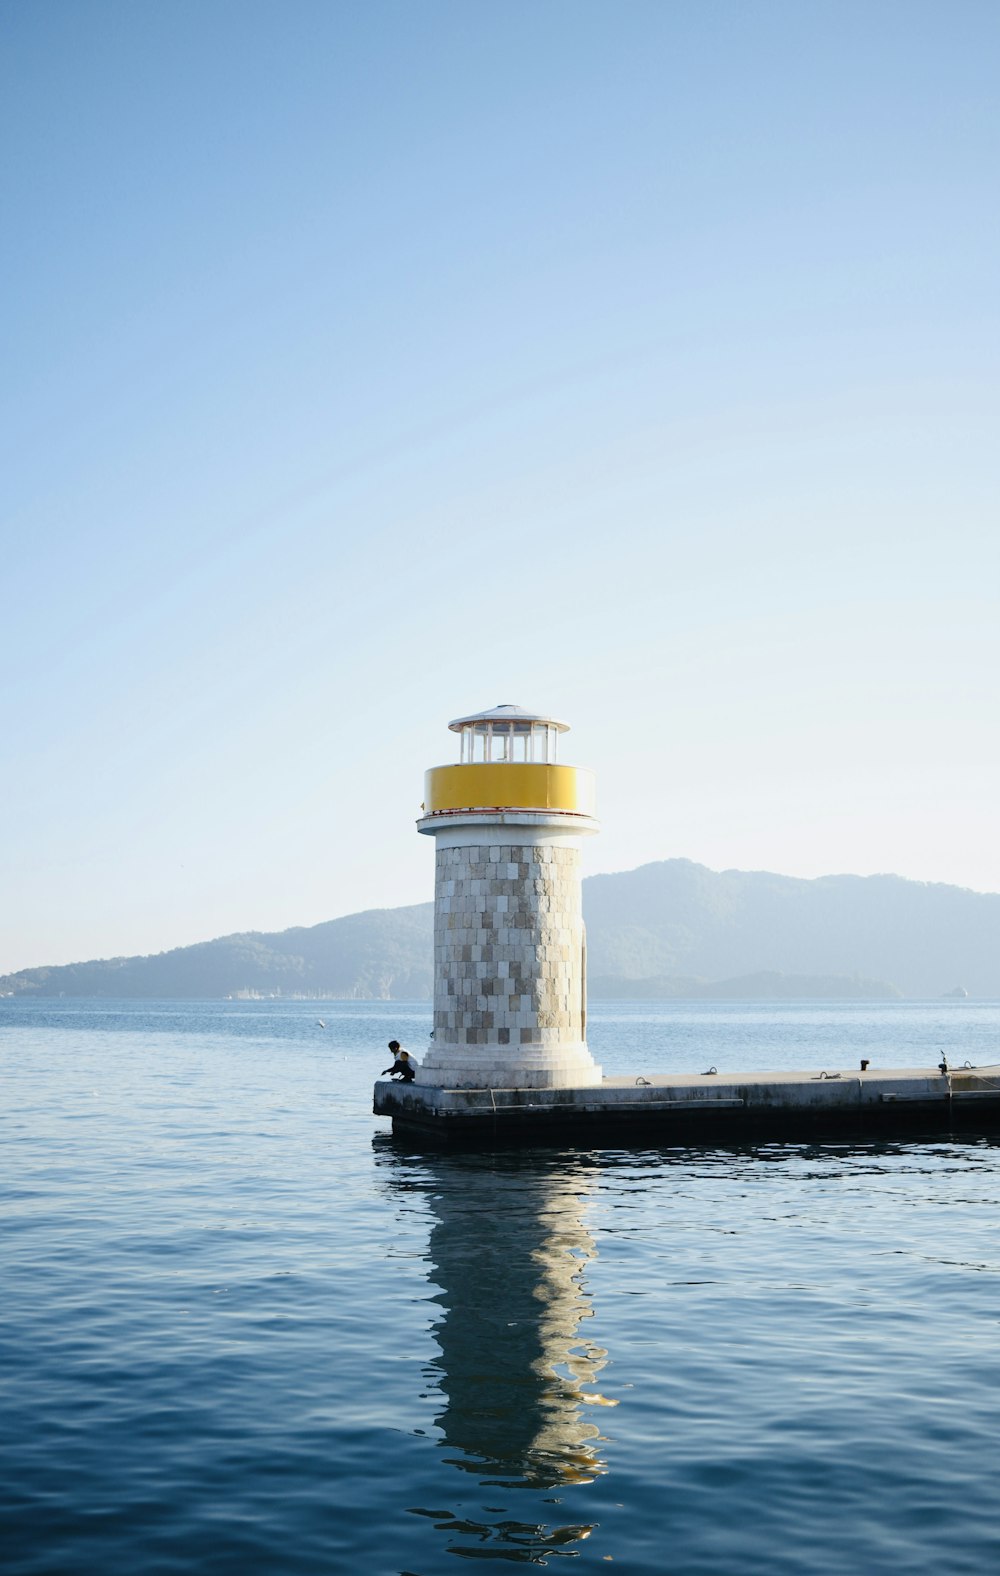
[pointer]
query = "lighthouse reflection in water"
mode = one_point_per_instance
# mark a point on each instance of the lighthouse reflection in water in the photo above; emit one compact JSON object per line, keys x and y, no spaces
{"x":517,"y":1374}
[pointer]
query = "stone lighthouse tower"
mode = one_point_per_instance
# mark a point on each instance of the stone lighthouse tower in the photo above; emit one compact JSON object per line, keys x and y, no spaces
{"x":510,"y":1003}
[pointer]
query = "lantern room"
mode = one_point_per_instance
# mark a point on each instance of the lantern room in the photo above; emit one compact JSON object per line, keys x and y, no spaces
{"x":508,"y":734}
{"x":508,"y":764}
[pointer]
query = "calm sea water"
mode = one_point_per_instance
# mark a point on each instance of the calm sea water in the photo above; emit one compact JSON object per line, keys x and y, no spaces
{"x":244,"y":1330}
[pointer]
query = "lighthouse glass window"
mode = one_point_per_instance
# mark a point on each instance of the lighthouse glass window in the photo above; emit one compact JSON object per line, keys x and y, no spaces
{"x":543,"y":743}
{"x":500,"y":742}
{"x":476,"y":743}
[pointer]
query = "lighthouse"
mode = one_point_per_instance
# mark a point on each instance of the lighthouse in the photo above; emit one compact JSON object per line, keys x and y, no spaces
{"x":510,"y":965}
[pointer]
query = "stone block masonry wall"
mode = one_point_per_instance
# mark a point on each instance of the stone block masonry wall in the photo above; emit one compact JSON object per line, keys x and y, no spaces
{"x":508,"y":946}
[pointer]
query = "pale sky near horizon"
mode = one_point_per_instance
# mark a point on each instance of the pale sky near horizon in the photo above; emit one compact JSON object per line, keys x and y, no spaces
{"x":364,"y":366}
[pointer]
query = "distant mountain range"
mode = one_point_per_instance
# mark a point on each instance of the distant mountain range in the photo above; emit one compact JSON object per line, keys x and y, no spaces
{"x":672,"y":929}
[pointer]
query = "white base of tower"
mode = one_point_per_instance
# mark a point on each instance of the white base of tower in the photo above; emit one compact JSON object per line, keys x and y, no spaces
{"x":564,"y":1066}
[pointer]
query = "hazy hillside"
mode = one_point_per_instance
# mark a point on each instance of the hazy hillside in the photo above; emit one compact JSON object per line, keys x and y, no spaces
{"x":667,"y":929}
{"x":381,"y":954}
{"x":678,"y":918}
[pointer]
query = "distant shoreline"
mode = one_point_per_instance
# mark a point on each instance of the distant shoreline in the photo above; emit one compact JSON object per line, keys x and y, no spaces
{"x":667,"y":931}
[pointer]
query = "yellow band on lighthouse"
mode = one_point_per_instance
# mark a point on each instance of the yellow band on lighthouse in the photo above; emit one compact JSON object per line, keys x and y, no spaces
{"x":509,"y":786}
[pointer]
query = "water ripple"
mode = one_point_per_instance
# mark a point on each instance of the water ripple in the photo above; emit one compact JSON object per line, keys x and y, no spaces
{"x":243,"y":1331}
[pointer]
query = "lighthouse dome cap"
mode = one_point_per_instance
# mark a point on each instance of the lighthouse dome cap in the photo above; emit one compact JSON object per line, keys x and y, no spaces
{"x":507,"y":713}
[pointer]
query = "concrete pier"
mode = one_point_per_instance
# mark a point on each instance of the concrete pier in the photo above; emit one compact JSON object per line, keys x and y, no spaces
{"x":703,"y":1108}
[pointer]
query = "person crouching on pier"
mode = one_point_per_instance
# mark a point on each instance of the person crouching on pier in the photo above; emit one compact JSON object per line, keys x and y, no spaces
{"x":404,"y":1067}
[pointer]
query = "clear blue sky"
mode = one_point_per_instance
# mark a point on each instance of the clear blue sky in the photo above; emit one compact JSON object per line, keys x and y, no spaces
{"x":365,"y":365}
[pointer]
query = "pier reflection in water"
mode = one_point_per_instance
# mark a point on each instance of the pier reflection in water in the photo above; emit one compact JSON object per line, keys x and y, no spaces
{"x":517,"y":1374}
